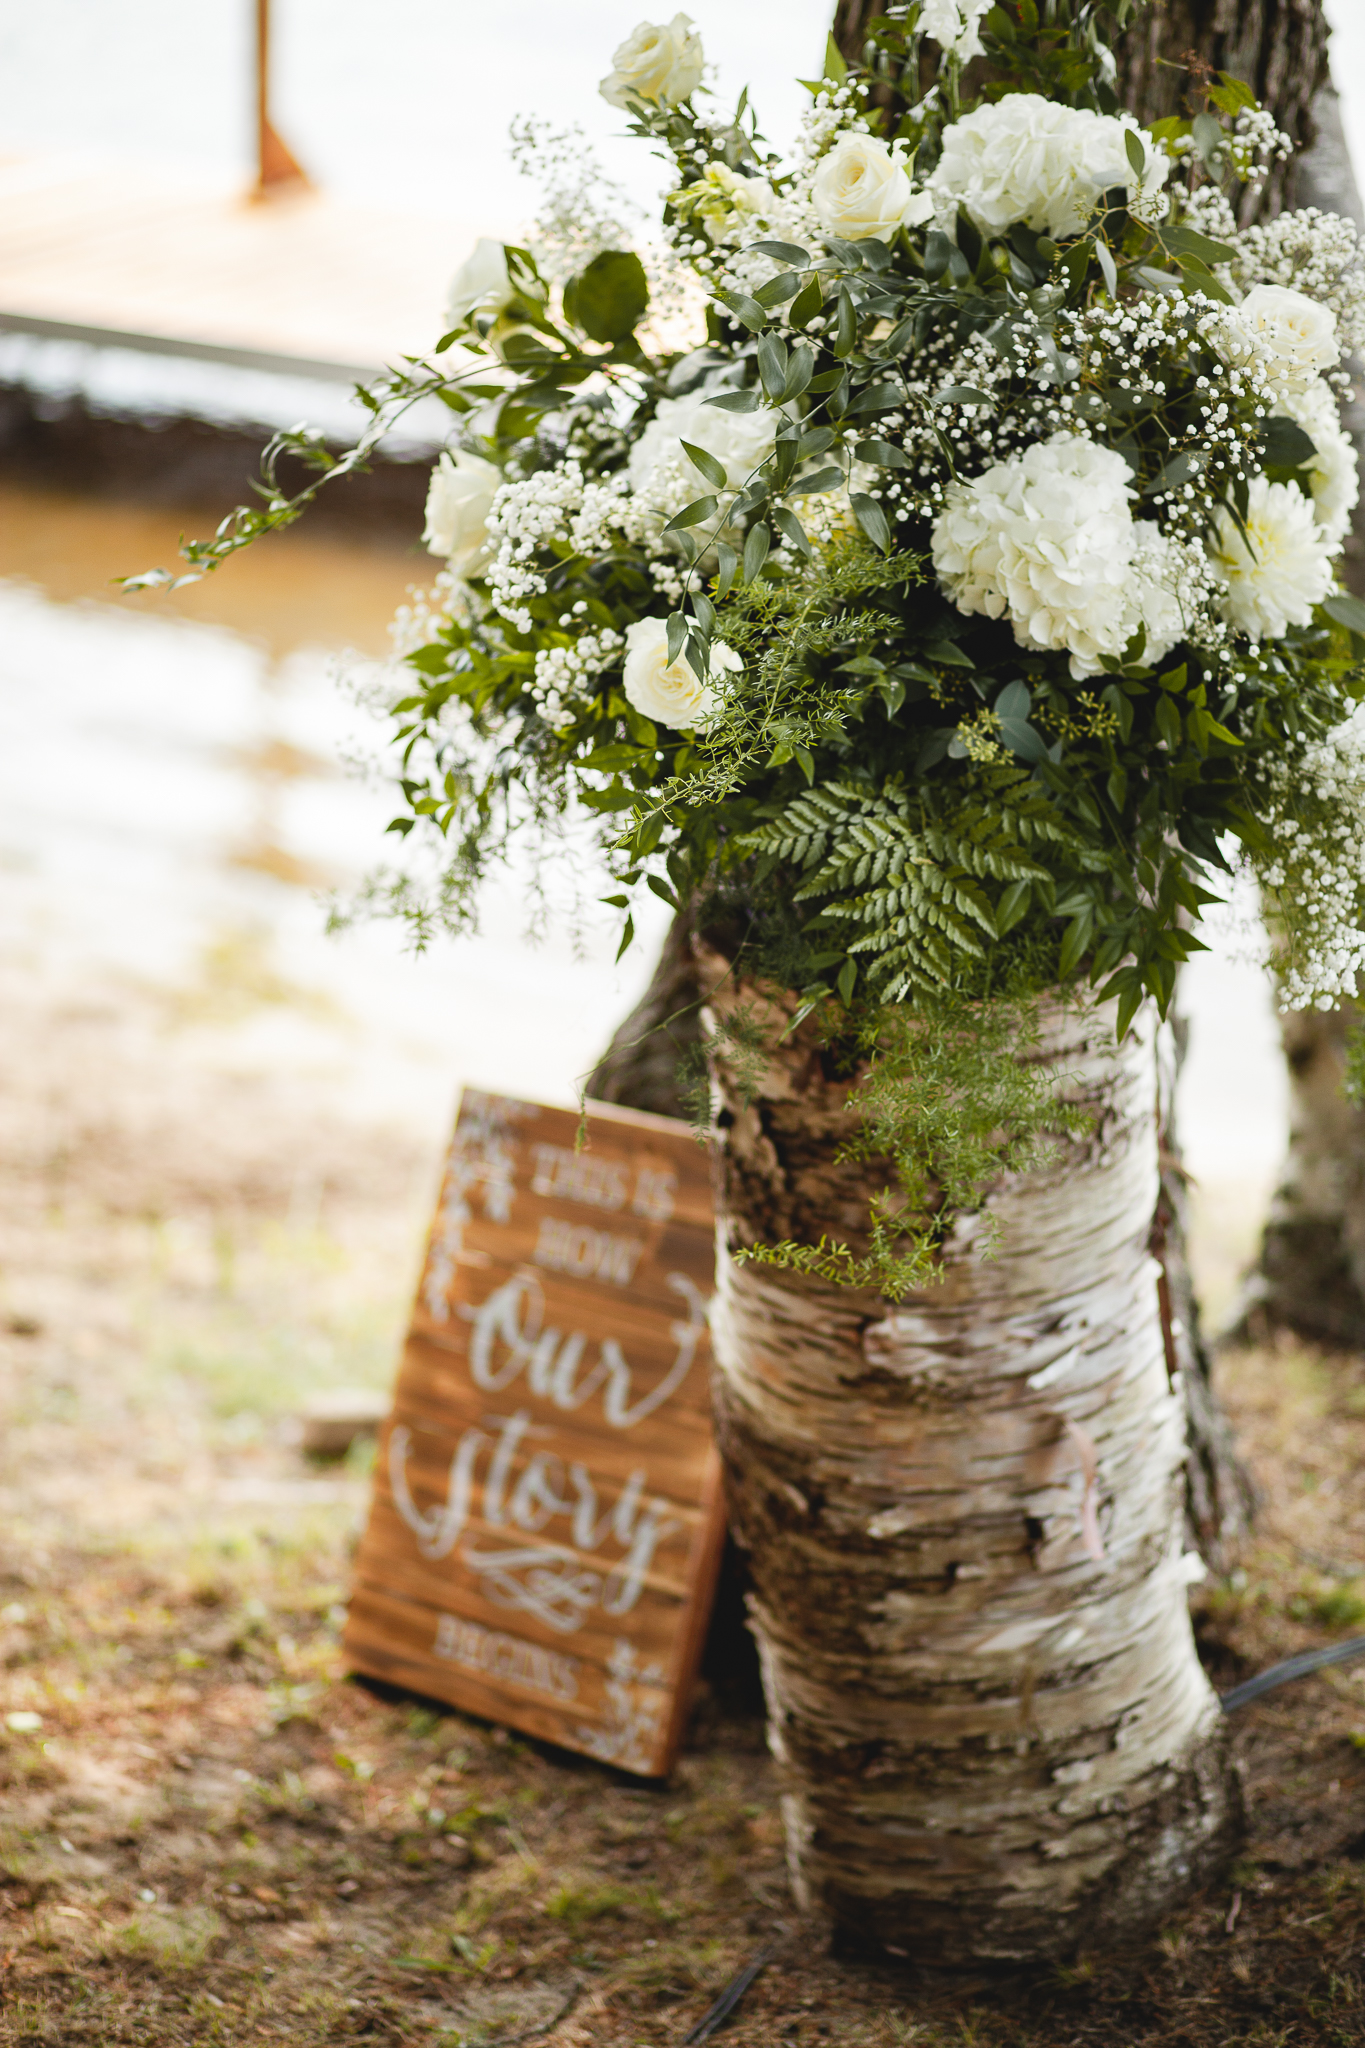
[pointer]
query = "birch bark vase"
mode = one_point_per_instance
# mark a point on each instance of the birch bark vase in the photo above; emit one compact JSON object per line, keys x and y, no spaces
{"x":963,"y":1515}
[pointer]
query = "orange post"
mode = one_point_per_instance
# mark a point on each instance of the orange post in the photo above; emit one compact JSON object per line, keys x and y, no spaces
{"x":277,"y":168}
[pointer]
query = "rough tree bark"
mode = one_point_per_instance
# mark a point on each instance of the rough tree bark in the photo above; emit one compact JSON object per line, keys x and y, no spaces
{"x":1278,"y":46}
{"x":964,"y":1521}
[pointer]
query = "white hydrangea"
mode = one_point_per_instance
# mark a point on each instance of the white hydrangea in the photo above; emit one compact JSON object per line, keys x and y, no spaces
{"x":1333,"y":474}
{"x":1287,"y":570}
{"x":1283,"y":333}
{"x":1028,"y":159}
{"x":1048,"y":540}
{"x":955,"y":26}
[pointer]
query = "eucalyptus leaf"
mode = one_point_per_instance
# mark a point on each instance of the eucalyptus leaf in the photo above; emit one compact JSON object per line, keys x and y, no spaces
{"x":609,"y":297}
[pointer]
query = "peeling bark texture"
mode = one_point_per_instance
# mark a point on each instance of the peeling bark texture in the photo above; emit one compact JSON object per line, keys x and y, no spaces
{"x":1310,"y":1276}
{"x":639,"y":1069}
{"x":964,"y":1522}
{"x":1278,"y":46}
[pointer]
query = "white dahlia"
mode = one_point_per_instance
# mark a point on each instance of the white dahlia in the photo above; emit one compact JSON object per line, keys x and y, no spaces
{"x":1333,"y":474}
{"x":1287,"y":570}
{"x":1048,"y":540}
{"x":1027,"y":159}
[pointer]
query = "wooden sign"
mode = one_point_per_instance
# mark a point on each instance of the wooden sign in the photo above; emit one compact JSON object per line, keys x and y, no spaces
{"x":547,"y":1522}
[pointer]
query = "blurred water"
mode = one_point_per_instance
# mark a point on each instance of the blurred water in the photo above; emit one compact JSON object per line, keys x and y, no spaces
{"x":172,"y":807}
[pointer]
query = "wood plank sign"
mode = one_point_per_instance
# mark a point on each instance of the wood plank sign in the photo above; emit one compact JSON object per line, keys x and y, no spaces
{"x":547,"y":1523}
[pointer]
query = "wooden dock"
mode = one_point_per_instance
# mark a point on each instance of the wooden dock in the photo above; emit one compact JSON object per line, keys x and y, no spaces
{"x":90,"y":251}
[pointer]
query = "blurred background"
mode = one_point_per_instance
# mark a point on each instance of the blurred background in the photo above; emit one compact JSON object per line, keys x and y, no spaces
{"x":201,"y":1082}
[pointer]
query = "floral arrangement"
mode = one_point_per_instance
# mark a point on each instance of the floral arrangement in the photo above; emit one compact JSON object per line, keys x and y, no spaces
{"x":924,"y":555}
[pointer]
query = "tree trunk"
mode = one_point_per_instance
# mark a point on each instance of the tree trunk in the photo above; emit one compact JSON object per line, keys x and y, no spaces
{"x":963,"y":1518}
{"x":1278,"y":46}
{"x":1310,"y":1276}
{"x":644,"y":1066}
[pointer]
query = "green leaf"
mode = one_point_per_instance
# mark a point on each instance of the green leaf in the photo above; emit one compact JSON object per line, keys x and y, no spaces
{"x":746,"y":310}
{"x":782,"y":252}
{"x":626,"y":937}
{"x":661,"y":890}
{"x":1231,"y":94}
{"x":1168,"y":722}
{"x":727,"y":566}
{"x":1182,"y":241}
{"x":835,"y":66}
{"x":799,"y":373}
{"x":847,"y":981}
{"x":845,"y":325}
{"x":677,"y":635}
{"x":609,"y":297}
{"x":807,"y":303}
{"x":756,"y":544}
{"x":872,"y":520}
{"x":883,"y":454}
{"x":1347,"y":611}
{"x":1075,"y":939}
{"x":1134,"y":151}
{"x":1286,"y":444}
{"x":772,"y":365}
{"x":1013,"y":904}
{"x":736,"y":401}
{"x":881,"y":398}
{"x":823,"y":480}
{"x":695,"y":514}
{"x":705,"y":461}
{"x":960,"y":394}
{"x":778,"y":290}
{"x":789,"y":525}
{"x":1107,"y":265}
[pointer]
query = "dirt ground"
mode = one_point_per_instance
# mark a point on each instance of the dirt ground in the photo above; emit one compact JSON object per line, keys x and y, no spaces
{"x":208,"y":1834}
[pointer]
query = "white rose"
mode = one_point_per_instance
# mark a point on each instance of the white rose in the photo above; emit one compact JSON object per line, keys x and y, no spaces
{"x":459,"y":501}
{"x":741,"y":440}
{"x":1027,"y":159}
{"x":861,"y":190}
{"x":656,"y":63}
{"x":1048,"y":540}
{"x":954,"y":26}
{"x":481,"y":284}
{"x":671,"y":693}
{"x":1288,"y":570}
{"x":1332,"y":474}
{"x":1281,"y":332}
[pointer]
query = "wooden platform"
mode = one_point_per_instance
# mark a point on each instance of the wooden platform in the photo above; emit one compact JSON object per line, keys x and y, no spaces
{"x":147,"y":256}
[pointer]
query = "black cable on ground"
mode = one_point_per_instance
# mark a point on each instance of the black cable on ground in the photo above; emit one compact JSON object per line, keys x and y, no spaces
{"x":1291,"y":1668}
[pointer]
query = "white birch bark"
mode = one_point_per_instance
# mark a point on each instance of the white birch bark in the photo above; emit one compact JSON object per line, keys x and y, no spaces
{"x":964,"y":1520}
